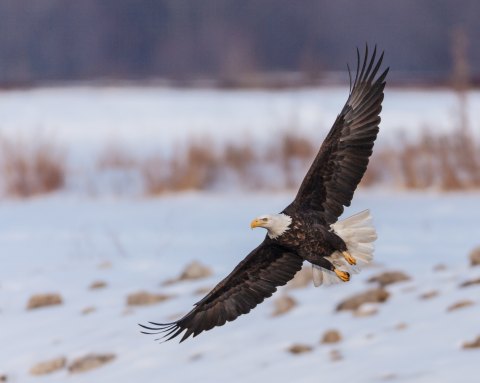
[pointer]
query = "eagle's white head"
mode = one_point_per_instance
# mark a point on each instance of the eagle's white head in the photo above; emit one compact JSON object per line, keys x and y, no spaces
{"x":276,"y":224}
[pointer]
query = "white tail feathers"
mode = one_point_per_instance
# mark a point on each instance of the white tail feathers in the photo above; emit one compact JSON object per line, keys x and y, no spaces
{"x":358,"y":234}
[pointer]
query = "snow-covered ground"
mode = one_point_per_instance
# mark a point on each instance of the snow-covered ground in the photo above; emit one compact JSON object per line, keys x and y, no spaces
{"x":59,"y":244}
{"x":85,"y":118}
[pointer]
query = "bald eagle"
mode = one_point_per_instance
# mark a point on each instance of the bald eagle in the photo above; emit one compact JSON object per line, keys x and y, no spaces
{"x":307,"y":229}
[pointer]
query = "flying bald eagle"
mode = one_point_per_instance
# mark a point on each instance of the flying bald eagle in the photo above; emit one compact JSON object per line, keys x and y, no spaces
{"x":307,"y":229}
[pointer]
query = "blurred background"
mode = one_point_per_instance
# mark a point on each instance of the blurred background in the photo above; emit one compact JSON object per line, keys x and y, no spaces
{"x":227,"y":43}
{"x":139,"y":138}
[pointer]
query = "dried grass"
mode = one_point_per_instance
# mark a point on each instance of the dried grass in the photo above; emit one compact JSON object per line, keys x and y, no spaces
{"x":443,"y":162}
{"x":31,"y":168}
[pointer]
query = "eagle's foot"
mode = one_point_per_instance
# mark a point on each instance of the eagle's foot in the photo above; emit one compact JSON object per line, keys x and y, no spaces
{"x":343,"y":275}
{"x":351,"y":260}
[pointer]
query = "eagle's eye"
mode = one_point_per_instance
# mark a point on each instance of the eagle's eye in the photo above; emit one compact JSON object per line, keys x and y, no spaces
{"x":264,"y":219}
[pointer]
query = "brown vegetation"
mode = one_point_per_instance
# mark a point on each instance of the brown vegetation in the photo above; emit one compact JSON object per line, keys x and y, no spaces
{"x":445,"y":162}
{"x":31,"y":168}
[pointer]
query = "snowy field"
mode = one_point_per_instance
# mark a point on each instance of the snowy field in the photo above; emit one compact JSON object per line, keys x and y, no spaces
{"x":63,"y":243}
{"x":89,"y":118}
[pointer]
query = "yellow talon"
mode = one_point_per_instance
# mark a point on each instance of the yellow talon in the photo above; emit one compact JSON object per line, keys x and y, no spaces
{"x":343,"y":275}
{"x":349,"y":258}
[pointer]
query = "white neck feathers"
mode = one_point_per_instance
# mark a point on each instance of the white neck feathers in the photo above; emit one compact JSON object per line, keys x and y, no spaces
{"x":280,"y":224}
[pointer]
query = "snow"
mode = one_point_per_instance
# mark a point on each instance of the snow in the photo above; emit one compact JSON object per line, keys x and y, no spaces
{"x":56,"y":244}
{"x":85,"y":118}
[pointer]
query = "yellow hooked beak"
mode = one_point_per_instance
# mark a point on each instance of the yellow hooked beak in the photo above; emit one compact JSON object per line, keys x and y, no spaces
{"x":255,"y":223}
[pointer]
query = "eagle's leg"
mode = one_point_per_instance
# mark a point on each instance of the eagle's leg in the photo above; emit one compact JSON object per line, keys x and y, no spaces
{"x":339,"y":244}
{"x":349,"y":258}
{"x":326,"y":264}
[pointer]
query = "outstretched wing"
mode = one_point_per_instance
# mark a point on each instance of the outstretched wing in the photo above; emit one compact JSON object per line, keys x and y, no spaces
{"x":254,"y":279}
{"x":342,"y":160}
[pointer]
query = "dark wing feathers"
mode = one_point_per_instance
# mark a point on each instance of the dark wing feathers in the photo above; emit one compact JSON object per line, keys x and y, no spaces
{"x":254,"y":279}
{"x":343,"y":158}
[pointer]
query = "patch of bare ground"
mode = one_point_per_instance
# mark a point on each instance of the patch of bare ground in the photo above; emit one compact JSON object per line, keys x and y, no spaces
{"x":460,"y":305}
{"x":144,"y":298}
{"x":97,"y":285}
{"x":389,"y":278}
{"x":472,"y":344}
{"x":283,"y":305}
{"x":299,"y":348}
{"x":90,"y":362}
{"x":428,"y":295}
{"x":193,"y":271}
{"x":331,"y":336}
{"x":49,"y":366}
{"x":379,"y":295}
{"x":471,"y":282}
{"x":44,"y":300}
{"x":475,"y":257}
